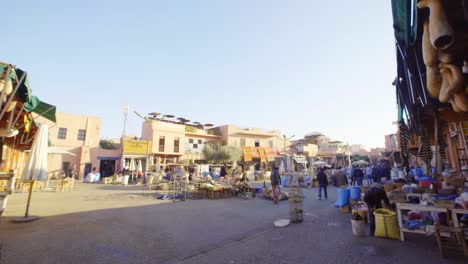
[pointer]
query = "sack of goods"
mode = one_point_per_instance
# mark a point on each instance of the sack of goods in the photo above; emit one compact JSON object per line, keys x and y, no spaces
{"x":386,"y":224}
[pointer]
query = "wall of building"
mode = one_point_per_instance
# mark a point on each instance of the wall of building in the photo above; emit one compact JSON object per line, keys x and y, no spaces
{"x":233,"y":135}
{"x":85,"y":151}
{"x":170,"y":132}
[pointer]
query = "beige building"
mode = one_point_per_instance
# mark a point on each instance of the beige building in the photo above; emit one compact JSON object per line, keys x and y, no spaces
{"x":74,"y":141}
{"x":252,"y":137}
{"x":174,"y":142}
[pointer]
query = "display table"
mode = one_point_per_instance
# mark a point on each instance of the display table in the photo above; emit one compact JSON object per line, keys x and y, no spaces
{"x":417,"y":207}
{"x":454,"y":214}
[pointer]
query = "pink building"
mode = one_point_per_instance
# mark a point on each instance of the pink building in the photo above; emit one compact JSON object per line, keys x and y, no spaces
{"x":74,"y":141}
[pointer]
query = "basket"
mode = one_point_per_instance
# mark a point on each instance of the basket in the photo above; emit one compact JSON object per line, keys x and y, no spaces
{"x":364,"y":189}
{"x":345,"y":209}
{"x":389,"y":187}
{"x":445,"y":204}
{"x":386,"y":224}
{"x":457,"y":182}
{"x":399,"y":185}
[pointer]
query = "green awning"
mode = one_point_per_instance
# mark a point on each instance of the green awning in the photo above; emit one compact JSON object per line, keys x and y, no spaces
{"x":300,"y":160}
{"x":30,"y":103}
{"x":43,"y":109}
{"x":405,"y":21}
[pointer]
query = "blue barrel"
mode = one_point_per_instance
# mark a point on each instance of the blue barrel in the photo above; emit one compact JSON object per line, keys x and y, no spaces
{"x":343,"y":197}
{"x":283,"y":181}
{"x":355,"y":193}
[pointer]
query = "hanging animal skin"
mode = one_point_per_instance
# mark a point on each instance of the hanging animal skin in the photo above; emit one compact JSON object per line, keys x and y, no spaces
{"x":8,"y":86}
{"x":441,"y":33}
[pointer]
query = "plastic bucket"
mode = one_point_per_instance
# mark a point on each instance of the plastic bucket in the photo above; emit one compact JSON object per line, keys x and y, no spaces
{"x":359,"y":228}
{"x":355,"y":193}
{"x":283,"y":181}
{"x":125,"y":179}
{"x":343,"y":197}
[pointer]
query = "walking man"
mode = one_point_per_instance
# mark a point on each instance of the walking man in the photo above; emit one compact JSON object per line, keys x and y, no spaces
{"x":323,"y":183}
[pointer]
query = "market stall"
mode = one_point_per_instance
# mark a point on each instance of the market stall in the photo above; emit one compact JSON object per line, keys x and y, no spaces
{"x":19,"y":110}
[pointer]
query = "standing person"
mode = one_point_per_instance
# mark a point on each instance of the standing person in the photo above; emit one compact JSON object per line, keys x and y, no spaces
{"x":275,"y":181}
{"x":323,"y":183}
{"x":223,"y":172}
{"x":373,"y":198}
{"x":340,"y":178}
{"x":369,"y":174}
{"x":358,"y":175}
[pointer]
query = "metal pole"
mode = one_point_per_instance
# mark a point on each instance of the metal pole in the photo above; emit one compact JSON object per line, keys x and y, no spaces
{"x":31,"y":188}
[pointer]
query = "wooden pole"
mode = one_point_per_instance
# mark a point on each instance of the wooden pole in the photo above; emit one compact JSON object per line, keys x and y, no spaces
{"x":31,"y":188}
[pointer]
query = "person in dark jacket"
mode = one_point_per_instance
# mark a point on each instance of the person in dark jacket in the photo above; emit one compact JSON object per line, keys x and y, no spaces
{"x":373,"y":198}
{"x":275,"y":181}
{"x":323,"y":183}
{"x":340,"y":178}
{"x":358,"y":175}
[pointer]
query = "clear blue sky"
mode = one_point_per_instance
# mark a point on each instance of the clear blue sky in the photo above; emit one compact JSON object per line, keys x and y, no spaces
{"x":299,"y":66}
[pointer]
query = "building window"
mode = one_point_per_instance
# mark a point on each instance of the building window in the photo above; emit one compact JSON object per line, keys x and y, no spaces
{"x":195,"y":146}
{"x":190,"y":140}
{"x":162,"y":141}
{"x":81,"y":134}
{"x":176,"y":145}
{"x":199,"y":141}
{"x":257,"y":143}
{"x":270,"y":143}
{"x":62,"y":133}
{"x":242,"y":142}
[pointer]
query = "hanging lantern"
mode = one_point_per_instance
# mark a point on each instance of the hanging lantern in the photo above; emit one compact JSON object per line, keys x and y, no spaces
{"x":8,"y":86}
{"x":11,"y":106}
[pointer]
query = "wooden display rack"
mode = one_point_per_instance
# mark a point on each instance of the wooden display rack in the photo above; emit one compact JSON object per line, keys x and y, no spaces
{"x":409,"y":207}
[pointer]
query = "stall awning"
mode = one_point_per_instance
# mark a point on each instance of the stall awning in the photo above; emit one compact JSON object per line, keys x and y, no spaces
{"x":30,"y":103}
{"x":43,"y":109}
{"x":263,"y":156}
{"x":108,"y":158}
{"x":247,"y":153}
{"x":300,"y":160}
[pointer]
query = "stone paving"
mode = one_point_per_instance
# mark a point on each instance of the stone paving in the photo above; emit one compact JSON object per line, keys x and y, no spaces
{"x":101,"y":224}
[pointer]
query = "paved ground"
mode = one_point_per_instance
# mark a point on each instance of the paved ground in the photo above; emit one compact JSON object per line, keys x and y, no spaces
{"x":116,"y":224}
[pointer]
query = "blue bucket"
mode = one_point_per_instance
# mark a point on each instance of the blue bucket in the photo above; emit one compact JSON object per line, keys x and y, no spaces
{"x":258,"y":190}
{"x":355,"y":193}
{"x":343,"y":197}
{"x":283,"y":181}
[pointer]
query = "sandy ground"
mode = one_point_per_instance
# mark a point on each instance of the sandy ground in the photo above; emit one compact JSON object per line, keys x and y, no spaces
{"x":85,"y":197}
{"x":124,"y":224}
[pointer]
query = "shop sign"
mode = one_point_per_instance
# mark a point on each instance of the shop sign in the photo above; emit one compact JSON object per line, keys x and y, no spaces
{"x":131,"y":146}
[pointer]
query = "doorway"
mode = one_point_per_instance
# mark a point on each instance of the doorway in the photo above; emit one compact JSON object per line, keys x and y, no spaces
{"x":107,"y":168}
{"x":87,"y":169}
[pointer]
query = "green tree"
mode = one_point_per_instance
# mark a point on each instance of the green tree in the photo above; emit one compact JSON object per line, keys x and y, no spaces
{"x":218,"y":153}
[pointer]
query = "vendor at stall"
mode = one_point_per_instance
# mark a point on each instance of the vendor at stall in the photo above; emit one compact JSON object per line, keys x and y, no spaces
{"x":373,"y":198}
